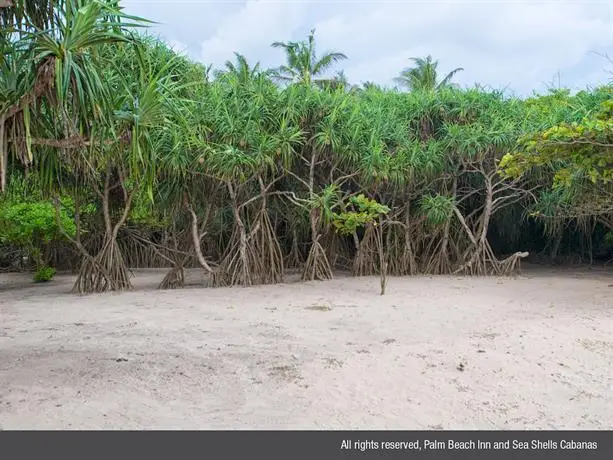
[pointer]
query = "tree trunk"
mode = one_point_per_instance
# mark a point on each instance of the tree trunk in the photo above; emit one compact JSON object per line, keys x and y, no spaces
{"x":106,"y":271}
{"x":196,"y":237}
{"x":553,"y":255}
{"x":408,"y":241}
{"x":381,"y":250}
{"x":245,"y":278}
{"x":4,"y":154}
{"x":357,"y":260}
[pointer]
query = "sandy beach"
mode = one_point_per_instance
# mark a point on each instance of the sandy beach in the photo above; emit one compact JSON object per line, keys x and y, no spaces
{"x":533,"y":352}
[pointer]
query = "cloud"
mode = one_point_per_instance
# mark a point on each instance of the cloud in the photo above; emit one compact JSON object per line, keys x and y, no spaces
{"x":520,"y":44}
{"x":252,"y":30}
{"x":499,"y":44}
{"x":182,"y":22}
{"x":177,"y":45}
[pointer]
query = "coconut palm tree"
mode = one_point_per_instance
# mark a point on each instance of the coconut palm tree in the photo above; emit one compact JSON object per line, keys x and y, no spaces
{"x":424,"y":76}
{"x":339,"y":80}
{"x":241,"y":69}
{"x":303,"y":65}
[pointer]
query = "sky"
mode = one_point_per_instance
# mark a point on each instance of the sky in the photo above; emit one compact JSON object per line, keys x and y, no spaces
{"x":517,"y":46}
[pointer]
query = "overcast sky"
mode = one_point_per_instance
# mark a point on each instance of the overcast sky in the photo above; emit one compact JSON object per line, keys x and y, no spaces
{"x":516,"y":45}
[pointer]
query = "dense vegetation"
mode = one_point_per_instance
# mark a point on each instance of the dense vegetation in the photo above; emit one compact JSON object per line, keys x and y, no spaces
{"x":115,"y":152}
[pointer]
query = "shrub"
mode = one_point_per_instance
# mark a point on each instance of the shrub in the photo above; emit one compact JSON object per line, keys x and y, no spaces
{"x":44,"y":274}
{"x":32,"y":226}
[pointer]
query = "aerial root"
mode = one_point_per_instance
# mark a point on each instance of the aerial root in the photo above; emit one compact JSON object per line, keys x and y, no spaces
{"x":174,"y":279}
{"x":294,"y":259}
{"x":317,"y":266}
{"x":107,"y":271}
{"x":266,"y":246}
{"x":401,"y":256}
{"x":251,"y":259}
{"x":484,"y":263}
{"x":237,"y":268}
{"x":366,"y":259}
{"x":512,"y":264}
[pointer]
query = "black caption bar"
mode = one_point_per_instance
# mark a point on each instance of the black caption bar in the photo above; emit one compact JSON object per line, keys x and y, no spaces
{"x":315,"y":445}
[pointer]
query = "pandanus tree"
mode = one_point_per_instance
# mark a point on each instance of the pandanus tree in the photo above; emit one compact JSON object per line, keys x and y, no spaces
{"x":317,"y":172}
{"x":303,"y":65}
{"x":23,"y":14}
{"x":480,"y":191}
{"x":402,"y":162}
{"x":100,"y":125}
{"x":432,"y":173}
{"x":53,"y":73}
{"x":245,"y":144}
{"x":424,"y":76}
{"x":243,"y":177}
{"x":121,"y":163}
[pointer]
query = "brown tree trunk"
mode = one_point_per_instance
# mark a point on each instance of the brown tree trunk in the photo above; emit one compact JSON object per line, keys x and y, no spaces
{"x":4,"y":154}
{"x":381,"y":250}
{"x":106,"y":271}
{"x":196,"y":237}
{"x":242,"y":242}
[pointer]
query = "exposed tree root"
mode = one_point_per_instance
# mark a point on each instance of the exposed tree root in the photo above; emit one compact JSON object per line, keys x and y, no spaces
{"x":402,"y":242}
{"x":401,"y":253}
{"x":174,"y":279}
{"x":172,"y":257}
{"x":483,"y":262}
{"x":317,"y":266}
{"x":332,"y":246}
{"x":104,"y":272}
{"x":365,"y":262}
{"x":294,"y":259}
{"x":139,"y":251}
{"x":267,"y":247}
{"x":512,"y":264}
{"x":439,"y":261}
{"x":254,"y":257}
{"x":240,"y":266}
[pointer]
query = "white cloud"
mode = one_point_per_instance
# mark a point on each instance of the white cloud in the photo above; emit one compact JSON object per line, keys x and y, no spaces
{"x":252,"y":30}
{"x":504,"y":43}
{"x":177,"y":45}
{"x":520,"y":44}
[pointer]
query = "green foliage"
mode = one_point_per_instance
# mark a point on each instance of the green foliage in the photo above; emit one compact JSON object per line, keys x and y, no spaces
{"x":44,"y":274}
{"x":584,"y":146}
{"x":571,"y":152}
{"x":145,"y":213}
{"x":326,"y":202}
{"x":424,"y":76}
{"x":437,"y":209}
{"x":361,"y":211}
{"x":155,"y":129}
{"x":608,"y":239}
{"x":32,"y":226}
{"x":24,"y":223}
{"x":303,"y":64}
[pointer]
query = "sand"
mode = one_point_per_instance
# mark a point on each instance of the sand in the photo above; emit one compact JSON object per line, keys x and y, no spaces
{"x":534,"y":352}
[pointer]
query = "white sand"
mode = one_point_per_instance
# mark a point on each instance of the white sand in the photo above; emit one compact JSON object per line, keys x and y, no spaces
{"x":536,"y":352}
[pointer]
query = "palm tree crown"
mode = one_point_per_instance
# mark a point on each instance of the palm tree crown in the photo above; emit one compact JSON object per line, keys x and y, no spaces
{"x":424,"y":76}
{"x":241,"y":69}
{"x":303,"y":64}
